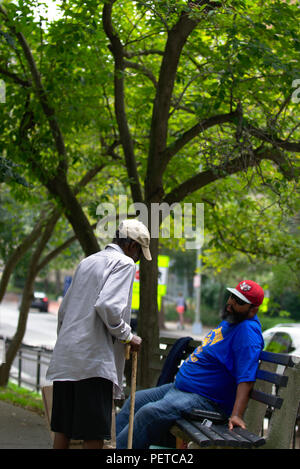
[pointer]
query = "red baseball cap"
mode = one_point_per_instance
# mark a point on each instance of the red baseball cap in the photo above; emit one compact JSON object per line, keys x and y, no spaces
{"x":248,"y":291}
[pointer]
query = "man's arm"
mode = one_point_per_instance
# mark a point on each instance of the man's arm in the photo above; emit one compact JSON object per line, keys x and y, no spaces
{"x":240,"y":404}
{"x":112,"y":301}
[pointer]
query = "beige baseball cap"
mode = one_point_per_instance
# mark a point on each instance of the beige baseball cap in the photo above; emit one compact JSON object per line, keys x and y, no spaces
{"x":136,"y":230}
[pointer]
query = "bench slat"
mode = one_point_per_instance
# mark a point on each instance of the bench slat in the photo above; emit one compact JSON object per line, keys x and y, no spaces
{"x":254,"y":439}
{"x":227,"y":438}
{"x":216,"y":439}
{"x":275,"y":378}
{"x":219,"y":435}
{"x":193,"y":433}
{"x":265,"y":398}
{"x":279,"y":358}
{"x":235,"y":439}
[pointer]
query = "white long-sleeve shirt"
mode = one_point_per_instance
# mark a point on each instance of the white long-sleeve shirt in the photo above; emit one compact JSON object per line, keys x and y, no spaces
{"x":94,"y":318}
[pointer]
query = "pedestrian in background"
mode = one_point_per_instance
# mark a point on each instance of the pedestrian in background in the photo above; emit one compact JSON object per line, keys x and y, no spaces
{"x":180,"y":308}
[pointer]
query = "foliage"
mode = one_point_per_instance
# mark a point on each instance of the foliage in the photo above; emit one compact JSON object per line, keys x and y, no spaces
{"x":238,"y":54}
{"x":180,"y":101}
{"x":9,"y":172}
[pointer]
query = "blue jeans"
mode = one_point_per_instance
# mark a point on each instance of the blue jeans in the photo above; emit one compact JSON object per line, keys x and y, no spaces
{"x":155,"y":411}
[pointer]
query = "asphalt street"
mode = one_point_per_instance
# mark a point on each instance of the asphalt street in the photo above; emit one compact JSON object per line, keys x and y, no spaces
{"x":40,"y":330}
{"x":41,"y":327}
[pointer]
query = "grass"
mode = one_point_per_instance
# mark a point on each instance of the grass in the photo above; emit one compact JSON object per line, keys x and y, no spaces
{"x":22,"y":397}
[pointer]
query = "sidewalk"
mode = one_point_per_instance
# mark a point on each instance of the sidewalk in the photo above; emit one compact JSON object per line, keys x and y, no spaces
{"x":171,"y":330}
{"x":22,"y":429}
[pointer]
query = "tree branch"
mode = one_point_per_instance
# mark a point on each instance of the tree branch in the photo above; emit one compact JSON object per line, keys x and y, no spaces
{"x":41,"y":93}
{"x":90,"y":174}
{"x":172,"y":149}
{"x":51,"y":255}
{"x":116,"y":48}
{"x":142,"y":69}
{"x":272,"y":139}
{"x":18,"y":253}
{"x":177,"y":38}
{"x":15,"y":78}
{"x":233,"y":166}
{"x":129,"y":55}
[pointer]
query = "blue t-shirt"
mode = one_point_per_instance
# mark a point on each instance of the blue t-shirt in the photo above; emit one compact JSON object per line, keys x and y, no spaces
{"x":227,"y":356}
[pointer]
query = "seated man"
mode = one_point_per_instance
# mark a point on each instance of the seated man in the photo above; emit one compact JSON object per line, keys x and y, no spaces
{"x":217,"y":376}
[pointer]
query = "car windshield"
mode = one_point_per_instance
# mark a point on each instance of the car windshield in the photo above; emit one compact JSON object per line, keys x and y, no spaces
{"x":282,"y":339}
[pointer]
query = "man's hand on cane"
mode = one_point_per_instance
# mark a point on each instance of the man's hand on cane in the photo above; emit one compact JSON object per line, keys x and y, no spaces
{"x":135,"y":343}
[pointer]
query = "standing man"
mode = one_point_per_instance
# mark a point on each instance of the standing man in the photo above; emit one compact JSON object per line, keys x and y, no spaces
{"x":88,"y":359}
{"x":217,"y":376}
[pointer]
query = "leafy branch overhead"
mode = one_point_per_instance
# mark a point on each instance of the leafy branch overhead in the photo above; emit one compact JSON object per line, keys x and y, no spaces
{"x":10,"y":172}
{"x":179,"y":100}
{"x":170,"y":70}
{"x":203,"y":87}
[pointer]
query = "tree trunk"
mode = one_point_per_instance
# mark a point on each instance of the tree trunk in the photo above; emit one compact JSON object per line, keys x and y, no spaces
{"x":26,"y":300}
{"x":58,"y":283}
{"x":148,"y":316}
{"x":20,"y":332}
{"x":60,"y":188}
{"x":18,"y":253}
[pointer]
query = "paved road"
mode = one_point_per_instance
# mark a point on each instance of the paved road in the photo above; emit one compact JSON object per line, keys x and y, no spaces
{"x":40,"y":330}
{"x":41,"y":327}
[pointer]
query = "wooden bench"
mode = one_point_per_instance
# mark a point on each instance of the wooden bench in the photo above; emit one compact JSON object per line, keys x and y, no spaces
{"x":274,"y":403}
{"x":160,"y":355}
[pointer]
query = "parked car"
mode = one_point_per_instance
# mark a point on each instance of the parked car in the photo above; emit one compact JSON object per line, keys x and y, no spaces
{"x":283,"y":338}
{"x":40,"y":302}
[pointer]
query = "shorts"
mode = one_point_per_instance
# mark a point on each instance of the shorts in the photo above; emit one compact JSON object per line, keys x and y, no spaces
{"x":180,"y":309}
{"x":82,"y":410}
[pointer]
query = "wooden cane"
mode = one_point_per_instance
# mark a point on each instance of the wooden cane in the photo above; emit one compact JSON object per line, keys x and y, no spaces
{"x":132,"y":399}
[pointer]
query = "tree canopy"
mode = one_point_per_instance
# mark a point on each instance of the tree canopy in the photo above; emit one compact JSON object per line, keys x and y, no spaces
{"x":181,"y":101}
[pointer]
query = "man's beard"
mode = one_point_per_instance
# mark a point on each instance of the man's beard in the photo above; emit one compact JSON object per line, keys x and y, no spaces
{"x":233,"y":316}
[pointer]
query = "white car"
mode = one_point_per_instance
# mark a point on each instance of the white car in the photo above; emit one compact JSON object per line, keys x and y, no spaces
{"x":283,"y":338}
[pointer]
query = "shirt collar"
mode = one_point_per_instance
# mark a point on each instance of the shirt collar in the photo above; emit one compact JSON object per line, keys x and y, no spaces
{"x":116,"y":247}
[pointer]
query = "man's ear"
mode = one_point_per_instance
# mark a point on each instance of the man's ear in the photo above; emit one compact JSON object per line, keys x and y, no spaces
{"x":132,"y":244}
{"x":253,"y":311}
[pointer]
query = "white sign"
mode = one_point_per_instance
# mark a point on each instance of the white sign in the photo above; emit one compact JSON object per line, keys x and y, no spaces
{"x":2,"y":91}
{"x":197,"y":281}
